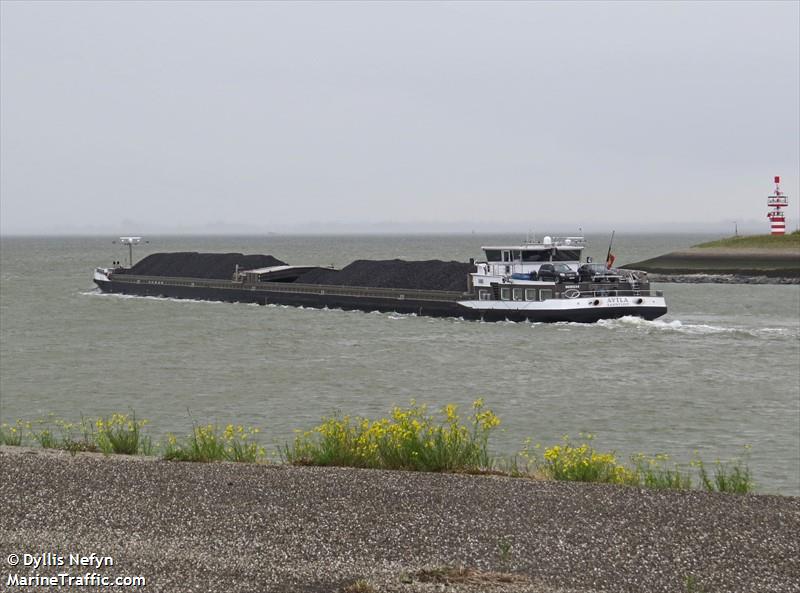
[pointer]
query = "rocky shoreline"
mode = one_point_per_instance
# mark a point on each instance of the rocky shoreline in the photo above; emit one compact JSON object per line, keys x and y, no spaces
{"x":721,"y":279}
{"x":262,"y":528}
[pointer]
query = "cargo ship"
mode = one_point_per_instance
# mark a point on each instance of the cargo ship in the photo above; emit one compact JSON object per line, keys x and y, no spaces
{"x":536,"y":281}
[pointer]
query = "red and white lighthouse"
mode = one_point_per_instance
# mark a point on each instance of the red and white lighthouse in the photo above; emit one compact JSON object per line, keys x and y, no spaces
{"x":777,"y":220}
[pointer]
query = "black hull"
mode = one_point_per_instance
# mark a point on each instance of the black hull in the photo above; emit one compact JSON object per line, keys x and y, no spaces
{"x":319,"y":300}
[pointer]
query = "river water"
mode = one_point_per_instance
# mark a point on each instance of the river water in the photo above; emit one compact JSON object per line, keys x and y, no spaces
{"x":720,"y":371}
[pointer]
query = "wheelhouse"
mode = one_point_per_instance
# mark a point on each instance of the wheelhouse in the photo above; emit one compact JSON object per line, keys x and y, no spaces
{"x":526,"y":258}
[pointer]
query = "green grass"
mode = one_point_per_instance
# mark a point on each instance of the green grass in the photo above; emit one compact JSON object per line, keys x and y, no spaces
{"x":732,"y":477}
{"x":409,"y":438}
{"x":122,"y":435}
{"x":504,"y":547}
{"x":79,"y":437}
{"x":46,"y":439}
{"x":657,"y":473}
{"x":11,"y":434}
{"x":581,"y":462}
{"x":790,"y":240}
{"x":116,"y":434}
{"x":693,"y":585}
{"x":211,"y":443}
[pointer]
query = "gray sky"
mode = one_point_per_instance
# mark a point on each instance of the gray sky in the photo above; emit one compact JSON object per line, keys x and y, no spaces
{"x":152,"y":117}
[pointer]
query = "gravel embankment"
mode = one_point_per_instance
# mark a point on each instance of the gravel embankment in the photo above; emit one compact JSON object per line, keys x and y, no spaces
{"x":261,"y":528}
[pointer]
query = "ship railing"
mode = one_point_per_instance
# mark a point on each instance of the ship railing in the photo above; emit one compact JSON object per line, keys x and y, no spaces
{"x":291,"y":287}
{"x":567,"y":241}
{"x":616,"y":292}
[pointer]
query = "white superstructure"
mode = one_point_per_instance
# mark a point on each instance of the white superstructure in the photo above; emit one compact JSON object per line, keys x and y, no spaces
{"x":548,"y":278}
{"x":519,"y":264}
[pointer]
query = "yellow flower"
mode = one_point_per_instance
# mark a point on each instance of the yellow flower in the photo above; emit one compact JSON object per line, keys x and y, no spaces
{"x":450,"y":411}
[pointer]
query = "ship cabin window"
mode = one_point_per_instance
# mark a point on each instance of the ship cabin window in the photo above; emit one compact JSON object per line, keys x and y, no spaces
{"x":517,"y":294}
{"x":505,"y":294}
{"x":485,"y":295}
{"x":567,"y":255}
{"x":492,"y":255}
{"x":530,"y":294}
{"x":534,"y":256}
{"x":506,"y":255}
{"x":545,"y":294}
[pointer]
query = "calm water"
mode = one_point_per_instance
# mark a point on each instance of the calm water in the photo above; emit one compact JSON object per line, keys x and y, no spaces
{"x":721,"y":370}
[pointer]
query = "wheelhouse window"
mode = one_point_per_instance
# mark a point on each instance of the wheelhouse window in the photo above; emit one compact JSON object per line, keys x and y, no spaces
{"x":506,"y":255}
{"x":505,"y":294}
{"x":492,"y":255}
{"x":535,"y":256}
{"x":566,"y":255}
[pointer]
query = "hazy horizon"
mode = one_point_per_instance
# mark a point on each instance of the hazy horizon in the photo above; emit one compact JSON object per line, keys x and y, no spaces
{"x":358,"y":117}
{"x":390,"y":229}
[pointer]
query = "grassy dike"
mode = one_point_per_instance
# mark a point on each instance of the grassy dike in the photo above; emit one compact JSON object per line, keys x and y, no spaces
{"x":757,"y":255}
{"x":411,"y":439}
{"x":789,"y":241}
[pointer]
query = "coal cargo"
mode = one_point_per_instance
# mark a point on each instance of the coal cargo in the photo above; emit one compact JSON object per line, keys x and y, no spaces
{"x":218,"y":266}
{"x":396,"y":273}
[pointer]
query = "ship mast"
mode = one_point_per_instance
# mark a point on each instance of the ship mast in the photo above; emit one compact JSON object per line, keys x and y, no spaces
{"x":130,"y":242}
